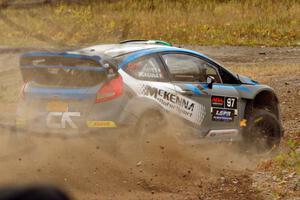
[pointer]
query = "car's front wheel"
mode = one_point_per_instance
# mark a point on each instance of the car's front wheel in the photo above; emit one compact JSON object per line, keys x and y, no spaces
{"x":263,"y":132}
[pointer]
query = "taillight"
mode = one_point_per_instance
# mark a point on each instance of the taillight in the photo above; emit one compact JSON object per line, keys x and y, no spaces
{"x":110,"y":90}
{"x":22,"y":92}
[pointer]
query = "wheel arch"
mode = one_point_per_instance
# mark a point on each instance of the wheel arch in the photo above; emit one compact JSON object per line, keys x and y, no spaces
{"x":137,"y":107}
{"x":263,"y":99}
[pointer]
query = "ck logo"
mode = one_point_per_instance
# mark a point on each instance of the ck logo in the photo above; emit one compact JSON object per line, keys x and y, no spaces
{"x":61,"y":119}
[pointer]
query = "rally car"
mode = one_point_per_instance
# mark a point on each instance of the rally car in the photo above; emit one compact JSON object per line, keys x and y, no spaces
{"x":144,"y":85}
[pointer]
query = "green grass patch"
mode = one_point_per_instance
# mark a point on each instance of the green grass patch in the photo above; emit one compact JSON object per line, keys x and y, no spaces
{"x":289,"y":160}
{"x":217,"y":22}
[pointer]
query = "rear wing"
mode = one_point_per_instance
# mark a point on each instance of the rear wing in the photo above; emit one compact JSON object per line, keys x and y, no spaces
{"x":61,"y":60}
{"x":66,"y":69}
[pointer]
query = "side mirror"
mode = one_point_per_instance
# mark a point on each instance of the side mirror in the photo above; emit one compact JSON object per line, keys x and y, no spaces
{"x":210,"y":81}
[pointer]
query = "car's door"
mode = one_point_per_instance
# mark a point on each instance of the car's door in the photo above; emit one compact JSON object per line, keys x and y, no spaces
{"x":216,"y":108}
{"x":147,"y":78}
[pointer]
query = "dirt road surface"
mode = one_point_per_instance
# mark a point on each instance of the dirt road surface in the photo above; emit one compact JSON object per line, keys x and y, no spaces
{"x":95,"y":167}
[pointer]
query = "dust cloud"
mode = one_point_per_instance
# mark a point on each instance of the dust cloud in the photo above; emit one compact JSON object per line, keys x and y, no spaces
{"x":114,"y":165}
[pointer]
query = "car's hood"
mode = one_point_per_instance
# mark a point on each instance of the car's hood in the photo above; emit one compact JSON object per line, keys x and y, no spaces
{"x":247,"y":80}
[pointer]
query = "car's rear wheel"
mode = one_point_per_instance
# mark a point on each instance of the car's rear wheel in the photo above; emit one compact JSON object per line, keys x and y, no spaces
{"x":263,"y":132}
{"x":145,"y":136}
{"x":150,"y":127}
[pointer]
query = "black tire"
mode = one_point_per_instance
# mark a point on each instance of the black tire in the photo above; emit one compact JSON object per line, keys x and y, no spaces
{"x":262,"y":133}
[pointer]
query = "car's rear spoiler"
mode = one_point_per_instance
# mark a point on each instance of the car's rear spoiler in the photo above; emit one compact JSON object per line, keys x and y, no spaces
{"x":64,"y":69}
{"x":40,"y":62}
{"x":64,"y":54}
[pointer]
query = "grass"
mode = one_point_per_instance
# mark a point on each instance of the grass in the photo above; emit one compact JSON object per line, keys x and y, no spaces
{"x":286,"y":160}
{"x":216,"y":22}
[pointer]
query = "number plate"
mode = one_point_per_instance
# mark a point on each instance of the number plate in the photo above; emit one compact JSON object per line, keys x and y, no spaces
{"x":57,"y":106}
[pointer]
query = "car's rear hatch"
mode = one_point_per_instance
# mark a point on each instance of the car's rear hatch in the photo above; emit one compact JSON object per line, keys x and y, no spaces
{"x":58,"y":86}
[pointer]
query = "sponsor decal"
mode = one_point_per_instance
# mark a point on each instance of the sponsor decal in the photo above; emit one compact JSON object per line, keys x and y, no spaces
{"x":169,"y":97}
{"x":224,"y":102}
{"x":243,"y":123}
{"x":101,"y":124}
{"x":149,"y":74}
{"x":146,"y":68}
{"x":231,"y":102}
{"x":165,"y":95}
{"x":217,"y":101}
{"x":222,"y":115}
{"x":61,"y":119}
{"x":176,"y":103}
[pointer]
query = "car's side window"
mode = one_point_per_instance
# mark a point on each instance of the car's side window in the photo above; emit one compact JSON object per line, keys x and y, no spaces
{"x":146,"y":68}
{"x":184,"y":67}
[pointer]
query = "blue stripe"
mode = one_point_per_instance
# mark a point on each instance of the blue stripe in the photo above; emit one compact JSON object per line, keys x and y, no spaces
{"x":242,"y":88}
{"x":193,"y":88}
{"x":204,"y":85}
{"x":63,"y":93}
{"x":249,"y":80}
{"x":197,"y":91}
{"x":227,"y":87}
